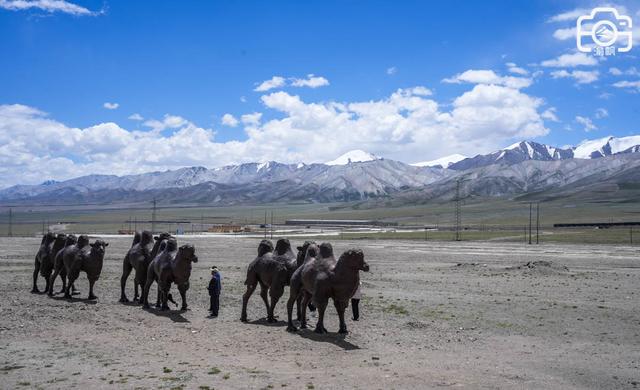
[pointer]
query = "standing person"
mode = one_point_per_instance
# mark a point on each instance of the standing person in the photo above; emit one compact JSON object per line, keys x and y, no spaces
{"x":355,"y":303}
{"x":214,"y":291}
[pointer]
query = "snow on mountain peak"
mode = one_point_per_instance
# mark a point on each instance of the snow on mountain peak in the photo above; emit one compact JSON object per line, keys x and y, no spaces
{"x":443,"y":161}
{"x":353,"y":156}
{"x":586,"y":148}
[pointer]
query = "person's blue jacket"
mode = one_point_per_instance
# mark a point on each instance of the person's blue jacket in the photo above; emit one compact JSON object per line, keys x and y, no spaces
{"x":214,"y":285}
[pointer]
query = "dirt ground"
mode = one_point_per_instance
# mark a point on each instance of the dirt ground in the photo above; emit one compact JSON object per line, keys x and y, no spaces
{"x":434,"y":315}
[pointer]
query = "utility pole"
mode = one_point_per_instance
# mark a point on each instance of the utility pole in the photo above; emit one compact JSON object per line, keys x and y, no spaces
{"x":153,"y":217}
{"x":426,"y":234}
{"x":530,"y":211}
{"x":631,"y":234}
{"x":538,"y":223}
{"x":271,"y":226}
{"x":10,"y":222}
{"x":458,"y":217}
{"x":265,"y":224}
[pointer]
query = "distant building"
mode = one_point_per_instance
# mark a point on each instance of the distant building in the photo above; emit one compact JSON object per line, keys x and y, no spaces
{"x":226,"y":229}
{"x":337,"y":222}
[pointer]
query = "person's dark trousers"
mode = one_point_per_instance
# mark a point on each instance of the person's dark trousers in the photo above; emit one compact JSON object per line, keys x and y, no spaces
{"x":355,"y":307}
{"x":214,"y":304}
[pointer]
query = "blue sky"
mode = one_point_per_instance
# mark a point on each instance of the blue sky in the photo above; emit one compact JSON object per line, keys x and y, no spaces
{"x":182,"y":65}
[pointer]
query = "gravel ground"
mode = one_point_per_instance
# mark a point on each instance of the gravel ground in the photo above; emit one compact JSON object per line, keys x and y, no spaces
{"x":463,"y":315}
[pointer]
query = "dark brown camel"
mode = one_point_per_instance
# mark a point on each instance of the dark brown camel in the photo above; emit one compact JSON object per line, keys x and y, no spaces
{"x":138,"y":259}
{"x":87,"y":258}
{"x":272,"y":270}
{"x":47,"y":263}
{"x":172,"y":265}
{"x":44,"y":252}
{"x":322,"y":277}
{"x":58,"y":265}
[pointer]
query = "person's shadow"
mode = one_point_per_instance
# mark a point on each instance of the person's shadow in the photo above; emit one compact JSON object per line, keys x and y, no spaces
{"x":263,"y":322}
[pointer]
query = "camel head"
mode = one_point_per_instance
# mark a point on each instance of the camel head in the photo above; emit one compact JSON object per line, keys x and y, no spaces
{"x":170,"y":245}
{"x":146,"y":237}
{"x":264,"y":247}
{"x":188,"y":252}
{"x":354,"y":259}
{"x":282,"y":246}
{"x":83,"y":240}
{"x":312,"y":251}
{"x":70,"y":240}
{"x":48,"y":238}
{"x":163,"y":236}
{"x":99,"y":247}
{"x":326,"y":250}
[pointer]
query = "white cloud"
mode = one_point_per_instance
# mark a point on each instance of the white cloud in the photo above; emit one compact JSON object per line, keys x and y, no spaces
{"x":563,"y":34}
{"x":312,"y":81}
{"x":50,"y":6}
{"x":168,"y":122}
{"x":251,"y":119}
{"x":136,"y":117}
{"x":586,"y":123}
{"x":392,"y":70}
{"x":229,"y":120}
{"x":601,"y":113}
{"x":569,"y":15}
{"x":570,"y":61}
{"x":605,"y":95}
{"x":408,"y":125}
{"x":274,"y":82}
{"x":632,"y":71}
{"x":628,"y":84}
{"x":580,"y":76}
{"x":488,"y":77}
{"x":513,"y":68}
{"x":550,"y":115}
{"x":111,"y":106}
{"x":243,"y":99}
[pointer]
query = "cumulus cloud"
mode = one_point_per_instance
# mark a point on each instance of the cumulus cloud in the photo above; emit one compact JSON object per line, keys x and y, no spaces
{"x":587,"y":123}
{"x":111,"y":106}
{"x":274,"y":82}
{"x":488,"y":77}
{"x":392,"y":70}
{"x":311,"y":81}
{"x":136,"y":117}
{"x":229,"y":120}
{"x":580,"y":76}
{"x":513,"y":68}
{"x":407,"y":125}
{"x":563,"y":34}
{"x":633,"y":85}
{"x":50,"y":6}
{"x":601,"y":113}
{"x":571,"y":60}
{"x":550,"y":114}
{"x":168,"y":122}
{"x":632,"y":71}
{"x":572,"y":15}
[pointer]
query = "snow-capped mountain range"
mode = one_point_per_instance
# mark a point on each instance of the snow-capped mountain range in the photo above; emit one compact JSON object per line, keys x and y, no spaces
{"x":356,"y":175}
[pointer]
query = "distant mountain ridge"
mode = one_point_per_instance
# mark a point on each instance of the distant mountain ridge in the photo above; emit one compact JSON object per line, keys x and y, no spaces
{"x":357,"y":175}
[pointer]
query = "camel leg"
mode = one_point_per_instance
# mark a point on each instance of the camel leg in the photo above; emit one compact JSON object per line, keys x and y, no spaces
{"x":36,"y":270}
{"x":306,"y":297}
{"x":52,"y":280}
{"x":145,"y":293}
{"x":245,"y":299}
{"x":275,"y":292}
{"x":72,"y":278}
{"x":340,"y":308}
{"x":321,"y":307}
{"x":264,"y":291}
{"x":91,"y":296}
{"x":126,"y":270}
{"x":135,"y":289}
{"x":48,"y":282}
{"x":294,"y":295}
{"x":164,"y":296}
{"x":183,"y":294}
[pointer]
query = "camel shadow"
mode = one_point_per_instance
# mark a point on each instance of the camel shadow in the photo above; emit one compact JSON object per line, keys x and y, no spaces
{"x":264,"y":322}
{"x":86,"y":301}
{"x":336,"y":339}
{"x":175,"y":316}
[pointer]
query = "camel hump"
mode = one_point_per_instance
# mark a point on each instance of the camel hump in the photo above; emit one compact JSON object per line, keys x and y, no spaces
{"x":170,"y":245}
{"x":146,"y":237}
{"x":265,"y":247}
{"x":282,"y":246}
{"x":326,"y":250}
{"x":83,"y":240}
